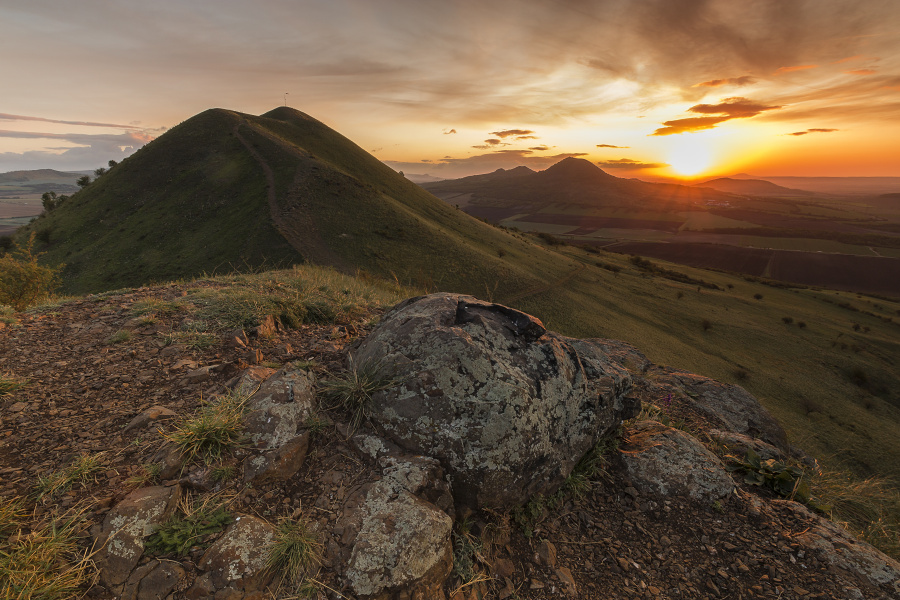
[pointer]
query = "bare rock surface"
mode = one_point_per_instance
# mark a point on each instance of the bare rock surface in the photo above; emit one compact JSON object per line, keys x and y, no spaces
{"x":238,"y":558}
{"x":667,"y":462}
{"x":279,"y":407}
{"x":125,"y":529}
{"x":402,"y":541}
{"x":506,"y":407}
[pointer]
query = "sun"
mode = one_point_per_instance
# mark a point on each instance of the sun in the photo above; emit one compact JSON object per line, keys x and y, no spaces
{"x":689,"y":154}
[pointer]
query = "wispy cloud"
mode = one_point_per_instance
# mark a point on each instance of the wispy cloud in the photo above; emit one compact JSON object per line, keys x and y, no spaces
{"x":794,"y":69}
{"x":8,"y":117}
{"x":815,"y":130}
{"x":629,"y":164}
{"x":448,"y":132}
{"x":739,"y":81}
{"x":610,"y":146}
{"x":510,"y":132}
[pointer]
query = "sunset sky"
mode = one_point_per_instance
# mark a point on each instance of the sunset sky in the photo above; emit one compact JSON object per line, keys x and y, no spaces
{"x":643,"y":88}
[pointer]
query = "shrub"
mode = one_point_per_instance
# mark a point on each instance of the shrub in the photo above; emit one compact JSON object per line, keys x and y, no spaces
{"x":192,"y":525}
{"x":787,"y":320}
{"x":758,"y":296}
{"x":801,"y":324}
{"x":706,"y":324}
{"x":23,"y":282}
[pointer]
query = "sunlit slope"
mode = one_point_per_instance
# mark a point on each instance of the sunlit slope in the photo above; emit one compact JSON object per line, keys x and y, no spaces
{"x":835,"y":386}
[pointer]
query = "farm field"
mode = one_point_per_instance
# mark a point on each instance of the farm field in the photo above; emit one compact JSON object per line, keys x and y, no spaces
{"x":20,"y":208}
{"x":869,"y":274}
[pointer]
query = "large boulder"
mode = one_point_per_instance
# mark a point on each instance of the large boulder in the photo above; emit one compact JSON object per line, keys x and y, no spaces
{"x":507,"y":407}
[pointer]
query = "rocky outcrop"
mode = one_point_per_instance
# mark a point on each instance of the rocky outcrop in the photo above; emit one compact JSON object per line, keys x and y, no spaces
{"x":505,"y":406}
{"x":667,"y":462}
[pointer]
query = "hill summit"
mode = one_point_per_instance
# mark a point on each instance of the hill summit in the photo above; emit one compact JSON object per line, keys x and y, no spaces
{"x":227,"y":191}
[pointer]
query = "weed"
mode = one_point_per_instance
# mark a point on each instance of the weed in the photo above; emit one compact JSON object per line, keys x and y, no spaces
{"x":271,"y":364}
{"x":592,"y":464}
{"x":530,"y":514}
{"x":10,"y":384}
{"x":315,"y":424}
{"x":718,"y":507}
{"x":213,"y":430}
{"x":354,"y":388}
{"x":80,"y":471}
{"x":295,"y":552}
{"x":155,"y":306}
{"x":467,"y":553}
{"x":45,"y":563}
{"x":786,"y":480}
{"x":119,"y":337}
{"x":193,"y":524}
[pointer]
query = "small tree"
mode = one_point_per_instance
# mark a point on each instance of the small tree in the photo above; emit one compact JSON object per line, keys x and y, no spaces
{"x":23,"y":281}
{"x":51,"y":201}
{"x":83,"y":181}
{"x":99,"y":172}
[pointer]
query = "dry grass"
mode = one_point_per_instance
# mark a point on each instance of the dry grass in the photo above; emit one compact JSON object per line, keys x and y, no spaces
{"x":295,"y":554}
{"x":353,"y":389}
{"x":43,"y":560}
{"x":82,"y":470}
{"x":10,"y":384}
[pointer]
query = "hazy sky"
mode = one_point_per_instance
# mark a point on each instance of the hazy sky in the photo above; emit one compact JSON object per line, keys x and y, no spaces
{"x":454,"y":87}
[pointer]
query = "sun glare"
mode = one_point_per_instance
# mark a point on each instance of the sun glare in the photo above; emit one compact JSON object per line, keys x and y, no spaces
{"x":689,"y":154}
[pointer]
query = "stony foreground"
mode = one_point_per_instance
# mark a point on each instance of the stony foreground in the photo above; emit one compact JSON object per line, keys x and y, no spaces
{"x":663,"y":519}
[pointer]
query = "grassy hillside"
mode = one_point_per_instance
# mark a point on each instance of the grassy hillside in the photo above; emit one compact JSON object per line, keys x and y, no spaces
{"x":225,"y":190}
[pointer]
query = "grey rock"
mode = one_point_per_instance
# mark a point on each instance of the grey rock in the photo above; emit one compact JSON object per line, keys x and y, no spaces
{"x":279,"y":408}
{"x":125,"y":528}
{"x":506,"y":407}
{"x":738,"y":445}
{"x":400,"y":542}
{"x":667,"y":462}
{"x":278,"y":464}
{"x":727,"y":406}
{"x":153,"y":581}
{"x":238,"y":558}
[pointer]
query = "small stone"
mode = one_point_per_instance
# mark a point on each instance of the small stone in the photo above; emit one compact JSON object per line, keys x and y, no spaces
{"x":624,"y":564}
{"x":536,"y":584}
{"x":546,"y":554}
{"x":18,"y":407}
{"x":503,"y":567}
{"x":568,"y":582}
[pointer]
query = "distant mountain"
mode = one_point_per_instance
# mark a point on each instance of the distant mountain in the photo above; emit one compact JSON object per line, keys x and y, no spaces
{"x":227,"y":191}
{"x":38,"y":175}
{"x":751,"y":187}
{"x":570,"y":181}
{"x":422,"y":177}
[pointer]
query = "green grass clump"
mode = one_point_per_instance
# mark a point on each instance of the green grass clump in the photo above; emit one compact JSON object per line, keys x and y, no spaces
{"x":148,"y":474}
{"x":193,"y":524}
{"x":155,"y":306}
{"x":353,"y":389}
{"x":216,"y":428}
{"x":295,"y":553}
{"x":82,"y":470}
{"x":42,"y":562}
{"x":10,"y":384}
{"x":119,"y":337}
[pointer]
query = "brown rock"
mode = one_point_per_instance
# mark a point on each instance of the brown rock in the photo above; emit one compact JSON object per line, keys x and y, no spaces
{"x":503,"y":567}
{"x":546,"y":554}
{"x":568,"y":582}
{"x":279,"y":464}
{"x":152,"y":414}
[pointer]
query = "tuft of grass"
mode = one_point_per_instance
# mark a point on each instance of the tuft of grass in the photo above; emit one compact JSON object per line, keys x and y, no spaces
{"x":216,"y":428}
{"x":468,"y":552}
{"x":148,"y":474}
{"x":295,"y":553}
{"x":10,"y":384}
{"x":591,"y":465}
{"x":119,"y":337}
{"x":155,"y":306}
{"x":194,"y":524}
{"x":43,"y":561}
{"x":222,"y":473}
{"x":82,"y":470}
{"x":353,"y":389}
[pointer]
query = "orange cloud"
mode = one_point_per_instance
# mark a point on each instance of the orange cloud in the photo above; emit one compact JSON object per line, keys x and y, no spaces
{"x":861,"y":72}
{"x":730,"y":108}
{"x":795,"y":68}
{"x":808,"y":131}
{"x":610,"y":146}
{"x":508,"y":132}
{"x":627,"y":163}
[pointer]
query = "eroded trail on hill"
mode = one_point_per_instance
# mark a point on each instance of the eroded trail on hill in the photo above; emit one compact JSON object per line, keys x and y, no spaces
{"x":297,"y":225}
{"x":545,"y":288}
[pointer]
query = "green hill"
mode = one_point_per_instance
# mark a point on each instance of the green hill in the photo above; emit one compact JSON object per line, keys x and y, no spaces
{"x":226,"y":191}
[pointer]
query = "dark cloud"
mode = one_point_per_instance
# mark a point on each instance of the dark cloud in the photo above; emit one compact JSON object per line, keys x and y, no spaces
{"x":8,"y":117}
{"x":610,"y":146}
{"x":730,"y":108}
{"x":446,"y":132}
{"x":540,"y":148}
{"x":493,"y":142}
{"x":627,"y":163}
{"x":527,"y":137}
{"x":808,"y":131}
{"x":509,"y":132}
{"x":744,"y":80}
